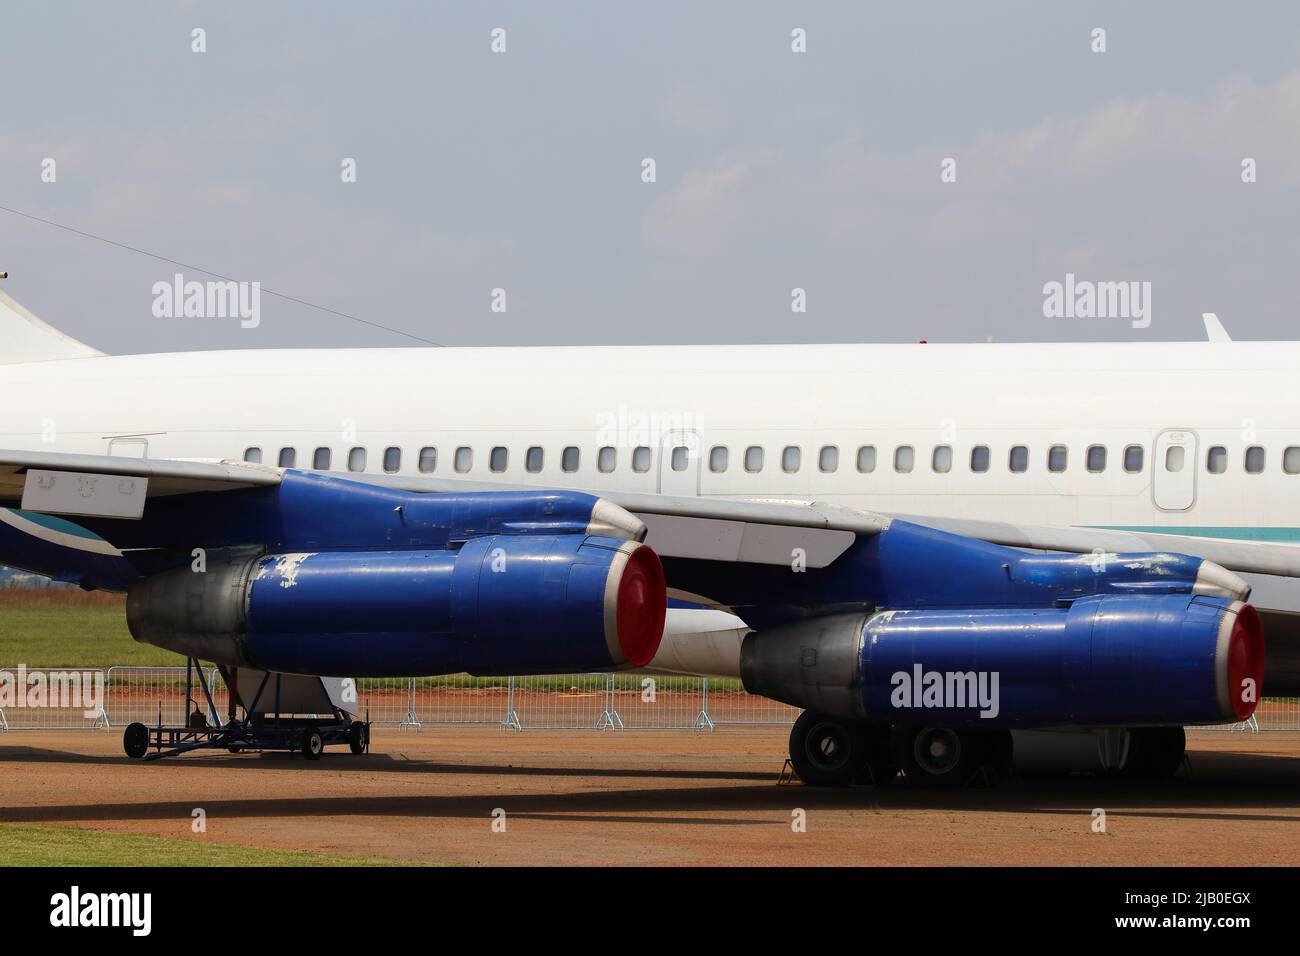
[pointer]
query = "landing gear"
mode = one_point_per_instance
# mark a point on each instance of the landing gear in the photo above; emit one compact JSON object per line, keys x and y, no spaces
{"x":826,"y":751}
{"x":936,"y":757}
{"x":1154,"y":753}
{"x":944,"y":758}
{"x":833,"y":752}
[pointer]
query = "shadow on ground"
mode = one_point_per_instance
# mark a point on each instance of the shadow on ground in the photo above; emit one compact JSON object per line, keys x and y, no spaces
{"x":1257,"y":787}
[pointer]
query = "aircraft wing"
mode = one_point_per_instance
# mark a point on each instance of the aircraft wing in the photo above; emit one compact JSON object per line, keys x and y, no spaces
{"x":1247,"y":557}
{"x":670,"y":518}
{"x":149,"y":515}
{"x":752,"y":531}
{"x":163,"y":476}
{"x":758,"y":531}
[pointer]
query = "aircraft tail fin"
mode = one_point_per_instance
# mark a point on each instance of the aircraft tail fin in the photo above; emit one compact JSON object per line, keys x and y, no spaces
{"x":25,"y":338}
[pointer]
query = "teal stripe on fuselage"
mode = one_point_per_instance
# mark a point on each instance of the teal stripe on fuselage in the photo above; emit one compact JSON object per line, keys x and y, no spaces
{"x":57,"y":524}
{"x":1209,"y":531}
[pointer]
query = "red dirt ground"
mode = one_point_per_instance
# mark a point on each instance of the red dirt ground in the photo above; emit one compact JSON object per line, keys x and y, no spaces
{"x":651,"y":798}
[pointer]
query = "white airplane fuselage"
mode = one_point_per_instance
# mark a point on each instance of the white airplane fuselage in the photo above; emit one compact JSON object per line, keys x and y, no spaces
{"x":1237,"y":397}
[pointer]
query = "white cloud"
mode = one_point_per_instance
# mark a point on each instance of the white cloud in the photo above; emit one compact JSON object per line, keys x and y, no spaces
{"x":694,"y":110}
{"x":1180,"y":135}
{"x":696,"y":216}
{"x":1044,"y":180}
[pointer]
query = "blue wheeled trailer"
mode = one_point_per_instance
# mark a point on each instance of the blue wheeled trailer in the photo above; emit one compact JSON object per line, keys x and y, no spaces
{"x":290,"y":712}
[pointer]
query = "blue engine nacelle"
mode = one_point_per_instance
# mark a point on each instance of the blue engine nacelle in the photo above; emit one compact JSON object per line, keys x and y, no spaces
{"x":1103,"y":660}
{"x":500,"y":604}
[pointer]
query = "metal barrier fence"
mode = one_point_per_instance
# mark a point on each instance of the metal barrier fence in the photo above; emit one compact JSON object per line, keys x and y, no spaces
{"x":568,"y":702}
{"x":1272,"y":714}
{"x":120,"y":695}
{"x":154,"y":695}
{"x":52,"y":698}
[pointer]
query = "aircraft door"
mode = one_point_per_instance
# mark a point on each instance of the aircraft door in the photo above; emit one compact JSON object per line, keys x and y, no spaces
{"x":1173,"y":470}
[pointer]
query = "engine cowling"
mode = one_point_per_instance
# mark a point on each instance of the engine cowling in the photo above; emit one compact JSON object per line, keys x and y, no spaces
{"x":499,"y":605}
{"x":1104,"y":660}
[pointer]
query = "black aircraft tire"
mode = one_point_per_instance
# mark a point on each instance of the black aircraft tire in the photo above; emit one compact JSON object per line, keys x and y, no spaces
{"x":938,"y":758}
{"x":826,"y":751}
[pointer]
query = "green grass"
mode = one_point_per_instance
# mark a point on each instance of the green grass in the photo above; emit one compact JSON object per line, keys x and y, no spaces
{"x":73,"y":636}
{"x":25,"y":845}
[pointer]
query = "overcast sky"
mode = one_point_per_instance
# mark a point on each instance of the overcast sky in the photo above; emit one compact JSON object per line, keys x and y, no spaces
{"x":775,"y":169}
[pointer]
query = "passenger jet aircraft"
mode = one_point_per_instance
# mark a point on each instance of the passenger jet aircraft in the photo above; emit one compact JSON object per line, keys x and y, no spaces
{"x":925,"y":546}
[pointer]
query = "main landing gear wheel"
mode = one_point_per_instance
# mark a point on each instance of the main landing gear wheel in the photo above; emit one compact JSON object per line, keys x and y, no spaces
{"x":358,"y":737}
{"x":135,"y":740}
{"x":313,"y":745}
{"x":826,"y":751}
{"x":941,"y":758}
{"x":1155,"y":753}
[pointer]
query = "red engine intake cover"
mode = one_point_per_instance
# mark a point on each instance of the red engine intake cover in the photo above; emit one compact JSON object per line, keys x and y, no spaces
{"x":641,"y":606}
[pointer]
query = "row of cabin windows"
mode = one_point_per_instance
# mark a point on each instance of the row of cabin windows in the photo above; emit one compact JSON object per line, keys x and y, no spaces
{"x":941,"y":459}
{"x":828,"y":459}
{"x":358,"y":459}
{"x":1216,"y":460}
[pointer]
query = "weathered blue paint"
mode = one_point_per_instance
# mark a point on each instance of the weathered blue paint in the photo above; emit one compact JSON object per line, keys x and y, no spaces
{"x":1105,"y":660}
{"x":910,"y":566}
{"x":307,"y":512}
{"x":391,"y":583}
{"x":315,"y":512}
{"x":499,"y":605}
